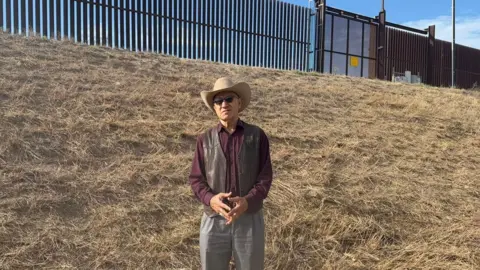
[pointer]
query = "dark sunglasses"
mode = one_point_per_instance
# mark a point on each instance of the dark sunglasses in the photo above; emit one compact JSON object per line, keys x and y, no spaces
{"x":219,"y":101}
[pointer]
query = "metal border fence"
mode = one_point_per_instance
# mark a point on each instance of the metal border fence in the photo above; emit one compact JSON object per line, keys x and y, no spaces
{"x":264,"y":33}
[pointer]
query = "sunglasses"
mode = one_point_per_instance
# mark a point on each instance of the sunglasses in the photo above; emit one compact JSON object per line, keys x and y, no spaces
{"x":219,"y":101}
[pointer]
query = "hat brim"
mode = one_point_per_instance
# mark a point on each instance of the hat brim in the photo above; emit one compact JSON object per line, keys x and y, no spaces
{"x":241,"y":89}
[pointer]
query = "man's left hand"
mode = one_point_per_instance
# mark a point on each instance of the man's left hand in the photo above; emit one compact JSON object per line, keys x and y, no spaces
{"x":240,"y":206}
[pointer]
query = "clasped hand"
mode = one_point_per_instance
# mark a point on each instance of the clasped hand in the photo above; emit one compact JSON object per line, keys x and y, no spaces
{"x":240,"y":205}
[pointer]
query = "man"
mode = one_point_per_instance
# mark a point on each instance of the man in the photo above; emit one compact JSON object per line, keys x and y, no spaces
{"x":231,"y":175}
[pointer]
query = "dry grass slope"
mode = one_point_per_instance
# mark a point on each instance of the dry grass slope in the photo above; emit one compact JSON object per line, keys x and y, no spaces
{"x":96,"y":146}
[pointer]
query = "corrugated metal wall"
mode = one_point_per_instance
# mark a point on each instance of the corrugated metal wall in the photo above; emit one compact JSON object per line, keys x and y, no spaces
{"x":467,"y":69}
{"x":406,"y":51}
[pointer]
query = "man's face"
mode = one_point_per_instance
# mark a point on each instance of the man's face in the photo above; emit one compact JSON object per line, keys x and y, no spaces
{"x":226,"y":105}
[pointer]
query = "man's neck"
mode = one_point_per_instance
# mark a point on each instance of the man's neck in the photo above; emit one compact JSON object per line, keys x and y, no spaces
{"x":230,"y":126}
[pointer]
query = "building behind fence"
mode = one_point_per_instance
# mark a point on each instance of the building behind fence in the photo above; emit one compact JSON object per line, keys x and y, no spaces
{"x":264,"y":33}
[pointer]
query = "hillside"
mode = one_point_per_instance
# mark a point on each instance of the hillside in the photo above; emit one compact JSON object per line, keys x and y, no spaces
{"x":96,"y":146}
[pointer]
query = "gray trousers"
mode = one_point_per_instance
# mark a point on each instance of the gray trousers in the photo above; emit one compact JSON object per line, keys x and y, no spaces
{"x":244,"y":239}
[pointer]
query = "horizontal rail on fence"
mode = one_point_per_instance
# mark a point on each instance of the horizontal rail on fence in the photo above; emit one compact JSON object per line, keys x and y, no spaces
{"x":192,"y":22}
{"x":350,"y":14}
{"x":406,"y":28}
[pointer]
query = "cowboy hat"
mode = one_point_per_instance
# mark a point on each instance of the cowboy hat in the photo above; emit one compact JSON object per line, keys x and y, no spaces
{"x":226,"y":84}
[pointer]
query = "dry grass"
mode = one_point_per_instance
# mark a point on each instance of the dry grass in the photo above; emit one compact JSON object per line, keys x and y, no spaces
{"x":97,"y":144}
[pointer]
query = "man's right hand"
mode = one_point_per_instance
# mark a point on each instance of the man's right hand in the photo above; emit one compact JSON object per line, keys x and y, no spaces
{"x":218,"y":206}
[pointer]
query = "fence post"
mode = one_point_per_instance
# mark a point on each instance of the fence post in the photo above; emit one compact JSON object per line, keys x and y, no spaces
{"x":1,"y":15}
{"x":321,"y":6}
{"x":430,"y":55}
{"x":381,"y":47}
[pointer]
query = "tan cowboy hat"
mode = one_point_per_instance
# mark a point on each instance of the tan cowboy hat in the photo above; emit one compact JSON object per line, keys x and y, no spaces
{"x":225,"y":84}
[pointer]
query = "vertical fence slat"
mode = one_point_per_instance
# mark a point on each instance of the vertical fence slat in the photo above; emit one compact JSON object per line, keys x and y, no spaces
{"x":179,"y":33}
{"x":58,"y":20}
{"x":239,"y":32}
{"x":233,"y":44}
{"x":51,"y":20}
{"x":78,"y":18}
{"x":203,"y":40}
{"x":284,"y":36}
{"x":112,"y":24}
{"x":104,"y":23}
{"x":255,"y":32}
{"x":71,"y":15}
{"x":246,"y":53}
{"x":278,"y":33}
{"x":290,"y":36}
{"x":150,"y":17}
{"x":189,"y":27}
{"x":265,"y":24}
{"x":193,"y":28}
{"x":298,"y":38}
{"x":23,"y":17}
{"x":155,"y":25}
{"x":143,"y":25}
{"x":97,"y":22}
{"x":170,"y":27}
{"x":136,"y":26}
{"x":176,"y":30}
{"x":251,"y":31}
{"x":31,"y":23}
{"x":134,"y":7}
{"x":239,"y":35}
{"x":209,"y":30}
{"x":64,"y":18}
{"x":91,"y":24}
{"x":271,"y":43}
{"x":37,"y":22}
{"x":150,"y":13}
{"x":216,"y":22}
{"x":261,"y":46}
{"x":228,"y":32}
{"x":275,"y":34}
{"x":126,"y":4}
{"x":219,"y":10}
{"x":306,"y":48}
{"x":294,"y":22}
{"x":248,"y":31}
{"x":270,"y":39}
{"x":266,"y":33}
{"x":185,"y":29}
{"x":15,"y":28}
{"x":44,"y":18}
{"x":1,"y":14}
{"x":8,"y":14}
{"x":84,"y":22}
{"x":121,"y":21}
{"x":119,"y":25}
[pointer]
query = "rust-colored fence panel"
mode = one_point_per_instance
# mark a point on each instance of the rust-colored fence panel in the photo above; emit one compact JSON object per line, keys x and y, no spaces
{"x":467,"y":69}
{"x":406,"y":51}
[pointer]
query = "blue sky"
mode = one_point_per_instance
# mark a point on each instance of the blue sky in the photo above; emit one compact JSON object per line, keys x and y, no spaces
{"x":421,"y":14}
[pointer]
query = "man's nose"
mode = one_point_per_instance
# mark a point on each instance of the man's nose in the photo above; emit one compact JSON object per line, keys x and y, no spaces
{"x":225,"y":103}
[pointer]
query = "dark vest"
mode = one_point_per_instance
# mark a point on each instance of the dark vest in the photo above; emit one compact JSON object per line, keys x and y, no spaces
{"x":216,"y":163}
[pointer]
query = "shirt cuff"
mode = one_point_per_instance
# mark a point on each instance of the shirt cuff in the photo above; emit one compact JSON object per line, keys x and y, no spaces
{"x":207,"y":198}
{"x":250,"y":199}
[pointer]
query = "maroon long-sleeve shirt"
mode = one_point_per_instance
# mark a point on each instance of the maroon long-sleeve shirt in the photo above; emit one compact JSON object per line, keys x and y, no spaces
{"x":231,"y":145}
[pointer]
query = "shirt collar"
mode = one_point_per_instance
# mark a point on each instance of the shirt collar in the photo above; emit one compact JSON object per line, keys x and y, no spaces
{"x":220,"y":126}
